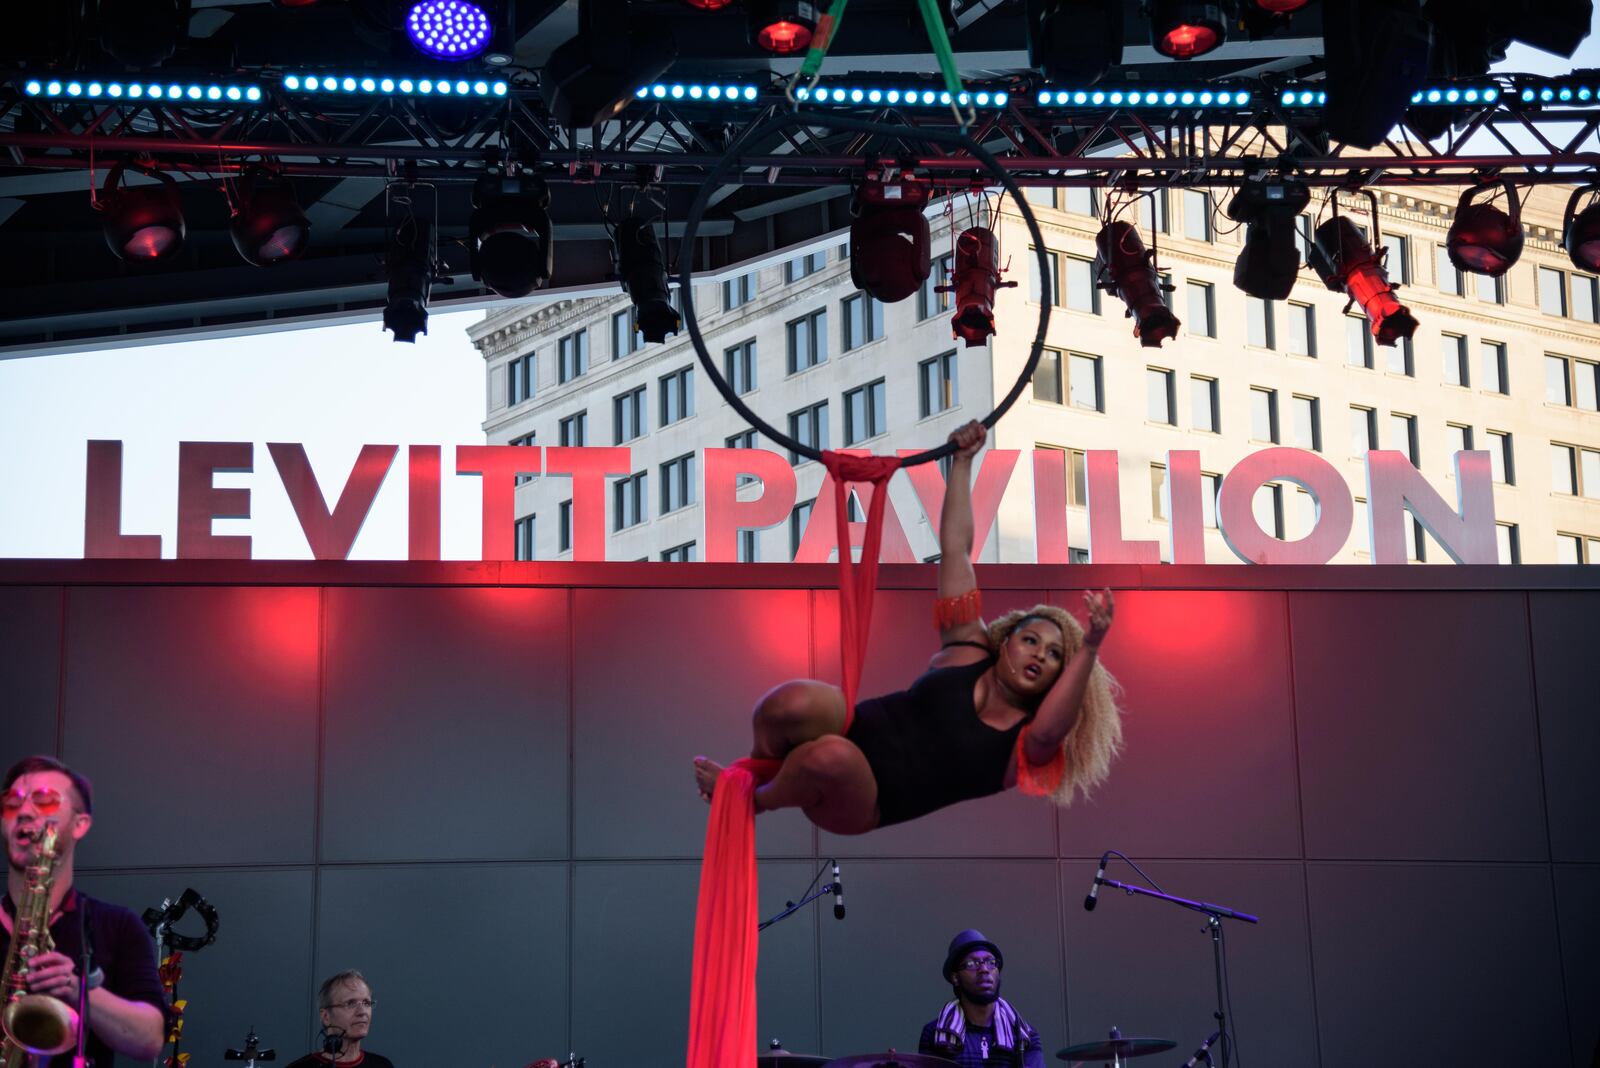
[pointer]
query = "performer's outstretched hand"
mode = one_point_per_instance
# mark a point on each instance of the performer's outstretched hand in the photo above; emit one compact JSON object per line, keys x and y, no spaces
{"x":969,"y":438}
{"x":1100,"y":607}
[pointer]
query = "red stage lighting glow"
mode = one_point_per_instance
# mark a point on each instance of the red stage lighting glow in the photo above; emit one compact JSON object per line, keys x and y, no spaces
{"x":144,"y":223}
{"x":784,"y":37}
{"x":709,"y":5}
{"x":1185,"y":41}
{"x":1581,"y":232}
{"x":977,"y":276}
{"x":1484,"y":239}
{"x":1125,"y":267}
{"x":1345,"y":261}
{"x":151,"y":242}
{"x":1281,"y":7}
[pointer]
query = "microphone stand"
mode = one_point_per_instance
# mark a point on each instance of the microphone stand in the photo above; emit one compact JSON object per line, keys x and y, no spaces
{"x":792,"y":907}
{"x":1214,"y":914}
{"x":85,"y":959}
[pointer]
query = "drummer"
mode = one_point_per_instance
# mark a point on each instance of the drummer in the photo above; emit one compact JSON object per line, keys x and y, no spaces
{"x":979,"y":1028}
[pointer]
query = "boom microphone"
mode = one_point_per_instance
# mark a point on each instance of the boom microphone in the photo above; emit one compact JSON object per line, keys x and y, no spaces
{"x":838,"y":894}
{"x":1202,"y":1051}
{"x":1089,"y":902}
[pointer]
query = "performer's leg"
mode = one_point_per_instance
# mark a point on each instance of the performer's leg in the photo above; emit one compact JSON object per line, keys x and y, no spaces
{"x":788,"y":716}
{"x":829,"y":779}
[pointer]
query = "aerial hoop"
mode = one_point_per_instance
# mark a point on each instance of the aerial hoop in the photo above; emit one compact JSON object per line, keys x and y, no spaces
{"x":783,"y":122}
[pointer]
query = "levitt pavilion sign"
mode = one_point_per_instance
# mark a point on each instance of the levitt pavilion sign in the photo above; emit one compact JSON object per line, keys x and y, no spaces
{"x":1394,"y":488}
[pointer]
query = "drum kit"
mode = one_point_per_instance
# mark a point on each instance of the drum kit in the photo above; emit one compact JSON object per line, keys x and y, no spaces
{"x":1116,"y":1050}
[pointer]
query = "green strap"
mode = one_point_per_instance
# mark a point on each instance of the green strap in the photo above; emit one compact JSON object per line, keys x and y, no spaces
{"x":811,"y":69}
{"x":933,"y":20}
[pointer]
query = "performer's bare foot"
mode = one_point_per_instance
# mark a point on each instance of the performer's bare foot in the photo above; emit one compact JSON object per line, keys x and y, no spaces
{"x":706,"y":773}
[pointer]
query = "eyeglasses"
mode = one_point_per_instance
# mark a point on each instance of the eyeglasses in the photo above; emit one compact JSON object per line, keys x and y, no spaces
{"x":353,"y":1004}
{"x":45,"y":801}
{"x":980,"y":964}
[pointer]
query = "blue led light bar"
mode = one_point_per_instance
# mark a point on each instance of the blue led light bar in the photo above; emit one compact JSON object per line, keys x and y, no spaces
{"x":1208,"y":97}
{"x":1559,"y":95}
{"x":184,"y":93}
{"x":847,"y":96}
{"x":386,"y":85}
{"x":1455,"y":95}
{"x":724,"y":93}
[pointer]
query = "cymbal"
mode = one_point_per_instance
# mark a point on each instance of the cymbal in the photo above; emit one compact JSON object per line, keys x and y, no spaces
{"x":1115,"y":1047}
{"x":890,"y":1059}
{"x":784,"y":1059}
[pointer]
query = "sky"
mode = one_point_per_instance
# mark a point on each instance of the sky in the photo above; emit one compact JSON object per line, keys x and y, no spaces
{"x":331,"y":388}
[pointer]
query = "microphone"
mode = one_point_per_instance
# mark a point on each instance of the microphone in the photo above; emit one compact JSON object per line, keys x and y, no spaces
{"x":1089,"y":902}
{"x":333,"y":1041}
{"x":838,"y":894}
{"x":1202,"y":1051}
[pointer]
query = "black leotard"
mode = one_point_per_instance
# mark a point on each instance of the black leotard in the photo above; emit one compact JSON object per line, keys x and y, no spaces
{"x":927,"y":747}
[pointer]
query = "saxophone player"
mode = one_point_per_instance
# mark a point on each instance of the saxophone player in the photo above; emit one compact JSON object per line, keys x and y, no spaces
{"x":127,"y":1007}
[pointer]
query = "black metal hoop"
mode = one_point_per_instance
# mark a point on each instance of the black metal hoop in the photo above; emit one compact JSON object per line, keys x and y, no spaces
{"x":691,"y":226}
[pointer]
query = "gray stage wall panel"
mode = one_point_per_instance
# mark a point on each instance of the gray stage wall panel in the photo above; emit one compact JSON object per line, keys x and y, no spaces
{"x":472,"y":782}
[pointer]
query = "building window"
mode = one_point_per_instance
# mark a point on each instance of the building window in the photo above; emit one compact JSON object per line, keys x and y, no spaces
{"x":1508,"y":543}
{"x":864,"y":412}
{"x":1576,"y":470}
{"x":677,"y":483}
{"x":936,"y":383}
{"x":1403,"y":436}
{"x":1083,"y":382}
{"x":1263,"y":414}
{"x":1042,"y":196}
{"x":930,"y":301}
{"x":1460,"y":437}
{"x":1204,"y":410}
{"x":1301,"y":322}
{"x":564,"y":535}
{"x":808,"y":341}
{"x":1268,"y":508}
{"x":625,"y":339}
{"x":1500,"y":464}
{"x":521,"y":377}
{"x":1491,"y":290}
{"x":1197,"y":214}
{"x":1571,"y":382}
{"x":748,"y":553}
{"x":1363,"y":430}
{"x":1081,"y":292}
{"x":1585,"y":298}
{"x":1047,"y":377}
{"x":677,"y":395}
{"x":572,"y":354}
{"x":1210,"y":491}
{"x":1449,"y":276}
{"x":1357,"y":342}
{"x":1153,"y":215}
{"x":1081,"y":200}
{"x":863,"y":321}
{"x":1577,"y":549}
{"x":1398,"y":261}
{"x":739,"y":366}
{"x":1492,"y":365}
{"x":797,"y":525}
{"x":737,"y":292}
{"x":1307,"y":423}
{"x":679,"y":554}
{"x":1160,"y":400}
{"x":1258,"y":319}
{"x":1202,"y":323}
{"x":743,"y":440}
{"x":1457,"y":366}
{"x":523,"y":529}
{"x":1160,"y":502}
{"x":628,"y":502}
{"x":1402,"y":360}
{"x":809,"y":426}
{"x":574,"y":429}
{"x":1035,"y":286}
{"x":1552,"y":291}
{"x":525,"y":441}
{"x":1303,"y":239}
{"x":627,"y":416}
{"x":804,"y":266}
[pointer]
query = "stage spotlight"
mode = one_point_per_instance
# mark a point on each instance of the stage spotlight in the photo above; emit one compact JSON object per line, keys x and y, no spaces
{"x":1581,"y":231}
{"x":642,"y":267}
{"x":1184,"y":29}
{"x":449,"y":29}
{"x":510,"y":246}
{"x":782,"y":27}
{"x":1279,"y":7}
{"x":142,"y":33}
{"x":1074,"y":41}
{"x":1123,"y":266}
{"x":976,"y":276}
{"x":1483,"y":239}
{"x":596,"y":74}
{"x":412,"y":262}
{"x":1270,"y":260}
{"x":709,"y":5}
{"x":144,"y":223}
{"x":267,"y":226}
{"x":889,"y":239}
{"x":1346,"y":263}
{"x":1377,"y":56}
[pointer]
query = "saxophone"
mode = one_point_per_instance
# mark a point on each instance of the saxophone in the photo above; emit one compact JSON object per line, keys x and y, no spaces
{"x":36,"y":1026}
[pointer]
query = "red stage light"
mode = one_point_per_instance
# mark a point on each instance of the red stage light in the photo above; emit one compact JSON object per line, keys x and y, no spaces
{"x":1184,"y":29}
{"x":1125,"y":267}
{"x":1581,"y":234}
{"x":976,"y":277}
{"x":782,"y":27}
{"x":1281,"y":7}
{"x":784,"y":37}
{"x":889,"y":239}
{"x":143,"y":223}
{"x":1483,"y":239}
{"x":1186,"y":42}
{"x":709,"y":5}
{"x":1345,"y":262}
{"x":267,"y":225}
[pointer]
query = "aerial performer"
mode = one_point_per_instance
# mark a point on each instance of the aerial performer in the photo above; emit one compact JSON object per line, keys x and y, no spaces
{"x":1022,"y":701}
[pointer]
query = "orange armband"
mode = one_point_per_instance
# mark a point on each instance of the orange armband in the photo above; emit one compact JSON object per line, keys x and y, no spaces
{"x":1039,"y":780}
{"x":951,"y":611}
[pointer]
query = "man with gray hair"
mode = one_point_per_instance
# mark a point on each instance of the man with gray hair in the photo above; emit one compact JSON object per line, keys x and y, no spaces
{"x":345,"y":1003}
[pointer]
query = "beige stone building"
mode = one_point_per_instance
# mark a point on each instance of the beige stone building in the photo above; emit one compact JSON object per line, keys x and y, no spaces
{"x":1508,"y":366}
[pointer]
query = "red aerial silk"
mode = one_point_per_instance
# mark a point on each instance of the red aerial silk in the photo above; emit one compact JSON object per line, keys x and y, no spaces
{"x":722,"y":990}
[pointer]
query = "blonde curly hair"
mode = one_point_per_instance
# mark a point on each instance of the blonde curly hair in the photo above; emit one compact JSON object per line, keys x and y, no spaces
{"x":1096,"y":736}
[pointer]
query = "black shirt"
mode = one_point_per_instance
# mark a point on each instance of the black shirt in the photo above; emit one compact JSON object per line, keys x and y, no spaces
{"x":322,"y":1060}
{"x":120,"y":946}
